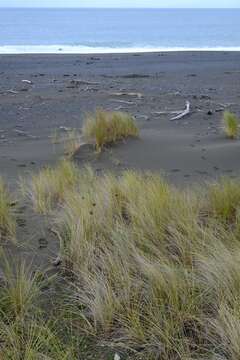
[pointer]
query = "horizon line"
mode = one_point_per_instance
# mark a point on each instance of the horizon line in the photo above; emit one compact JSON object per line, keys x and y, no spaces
{"x":119,"y":7}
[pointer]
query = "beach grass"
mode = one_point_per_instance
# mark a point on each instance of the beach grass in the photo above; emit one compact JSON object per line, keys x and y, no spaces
{"x":107,"y":127}
{"x":47,"y":188}
{"x":231,"y":125}
{"x":150,"y":271}
{"x":21,"y":289}
{"x":224,"y":199}
{"x":27,"y":330}
{"x":156,"y":268}
{"x":7,"y":220}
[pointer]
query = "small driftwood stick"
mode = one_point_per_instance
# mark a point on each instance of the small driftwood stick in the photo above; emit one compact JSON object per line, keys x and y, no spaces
{"x":124,"y":102}
{"x":138,"y":95}
{"x":12,"y":92}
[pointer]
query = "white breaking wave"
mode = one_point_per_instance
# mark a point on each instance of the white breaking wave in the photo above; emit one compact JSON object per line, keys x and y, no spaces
{"x":78,"y":49}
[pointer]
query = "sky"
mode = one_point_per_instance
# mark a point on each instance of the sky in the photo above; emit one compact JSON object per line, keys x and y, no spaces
{"x":123,"y":3}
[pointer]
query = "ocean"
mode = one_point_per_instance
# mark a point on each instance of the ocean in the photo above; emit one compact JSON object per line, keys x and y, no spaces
{"x":117,"y":30}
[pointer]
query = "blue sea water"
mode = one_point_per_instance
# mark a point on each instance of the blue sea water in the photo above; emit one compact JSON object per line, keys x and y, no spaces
{"x":117,"y":30}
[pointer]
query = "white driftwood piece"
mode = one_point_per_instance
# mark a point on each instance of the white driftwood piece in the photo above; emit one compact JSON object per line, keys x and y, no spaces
{"x":64,"y":128}
{"x":11,"y":92}
{"x":179,"y":113}
{"x":183,"y":113}
{"x":124,"y":101}
{"x":27,"y":81}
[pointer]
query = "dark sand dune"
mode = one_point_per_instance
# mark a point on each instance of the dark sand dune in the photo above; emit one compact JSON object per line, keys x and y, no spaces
{"x":176,"y":155}
{"x":64,"y":87}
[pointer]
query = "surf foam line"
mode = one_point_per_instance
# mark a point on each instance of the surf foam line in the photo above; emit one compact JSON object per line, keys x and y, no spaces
{"x":77,"y":49}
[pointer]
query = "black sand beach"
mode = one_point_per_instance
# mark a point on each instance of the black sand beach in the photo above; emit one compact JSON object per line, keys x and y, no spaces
{"x":64,"y":87}
{"x":119,"y":267}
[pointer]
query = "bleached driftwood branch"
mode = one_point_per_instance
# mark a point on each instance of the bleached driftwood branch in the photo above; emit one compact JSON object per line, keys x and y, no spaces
{"x":11,"y":92}
{"x":183,"y":113}
{"x":27,"y":82}
{"x":179,"y":113}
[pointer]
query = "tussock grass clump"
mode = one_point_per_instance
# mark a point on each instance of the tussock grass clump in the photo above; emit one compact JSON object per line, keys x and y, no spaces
{"x":28,"y":327}
{"x":47,"y":188}
{"x":7,"y":221}
{"x":131,"y":242}
{"x":231,"y":125}
{"x":106,"y":127}
{"x":29,"y":341}
{"x":224,"y":200}
{"x":20,"y":291}
{"x":154,"y":269}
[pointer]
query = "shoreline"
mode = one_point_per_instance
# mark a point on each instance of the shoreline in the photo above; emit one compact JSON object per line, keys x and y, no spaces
{"x":131,"y":51}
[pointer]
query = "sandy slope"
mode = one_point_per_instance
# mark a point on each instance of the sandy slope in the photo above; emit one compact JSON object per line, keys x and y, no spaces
{"x":187,"y":150}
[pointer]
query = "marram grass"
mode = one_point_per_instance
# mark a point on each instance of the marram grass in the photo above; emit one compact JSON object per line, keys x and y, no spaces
{"x":154,"y":269}
{"x":47,"y":188}
{"x":231,"y":125}
{"x":224,"y":199}
{"x":106,"y":127}
{"x":21,"y":289}
{"x":25,"y":331}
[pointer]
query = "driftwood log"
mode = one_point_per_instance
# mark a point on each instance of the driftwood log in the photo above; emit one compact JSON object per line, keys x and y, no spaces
{"x":185,"y":112}
{"x":179,"y":114}
{"x":27,"y":82}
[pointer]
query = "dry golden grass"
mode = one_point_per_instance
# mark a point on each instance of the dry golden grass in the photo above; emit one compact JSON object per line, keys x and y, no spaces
{"x":47,"y":188}
{"x":29,"y":341}
{"x":231,"y":125}
{"x":21,"y":289}
{"x":149,"y":263}
{"x":155,"y":270}
{"x":224,"y":199}
{"x":25,"y":332}
{"x":7,"y":220}
{"x":106,"y":127}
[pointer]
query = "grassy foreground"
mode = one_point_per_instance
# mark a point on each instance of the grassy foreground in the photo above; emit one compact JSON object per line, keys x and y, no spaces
{"x":150,"y":272}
